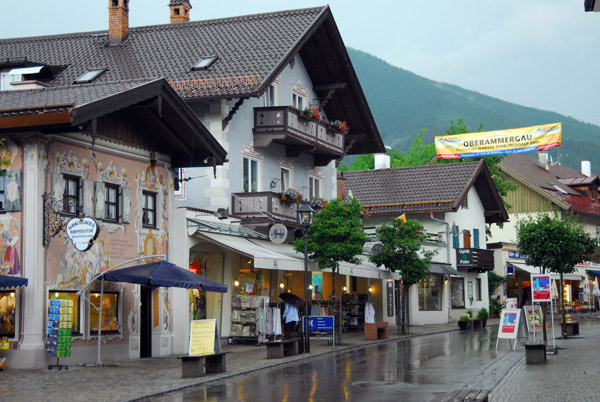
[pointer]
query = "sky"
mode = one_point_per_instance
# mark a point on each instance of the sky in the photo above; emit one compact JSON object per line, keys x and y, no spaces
{"x":538,"y":53}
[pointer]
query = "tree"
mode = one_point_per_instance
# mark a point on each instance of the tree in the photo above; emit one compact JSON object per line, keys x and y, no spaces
{"x":555,"y":245}
{"x":402,"y":252}
{"x":494,"y":280}
{"x":335,"y":235}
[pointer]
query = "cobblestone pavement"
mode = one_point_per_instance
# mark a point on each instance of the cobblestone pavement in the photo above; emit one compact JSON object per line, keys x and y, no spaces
{"x":572,"y":374}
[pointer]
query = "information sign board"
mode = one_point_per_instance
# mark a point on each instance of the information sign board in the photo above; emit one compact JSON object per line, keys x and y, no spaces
{"x":202,"y":337}
{"x":321,"y":323}
{"x":533,"y":318}
{"x":509,"y":324}
{"x":540,"y":288}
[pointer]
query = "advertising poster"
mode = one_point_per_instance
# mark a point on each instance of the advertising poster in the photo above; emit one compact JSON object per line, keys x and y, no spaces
{"x":540,"y":288}
{"x":533,"y":317}
{"x":501,"y":142}
{"x":509,"y":323}
{"x":511,"y":303}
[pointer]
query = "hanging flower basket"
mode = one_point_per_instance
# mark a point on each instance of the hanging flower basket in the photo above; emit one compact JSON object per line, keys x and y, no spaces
{"x":317,"y":203}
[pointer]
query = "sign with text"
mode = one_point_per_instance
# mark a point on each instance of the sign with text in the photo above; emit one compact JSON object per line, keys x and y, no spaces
{"x":501,"y":142}
{"x":82,"y":232}
{"x":540,"y":288}
{"x":202,"y":337}
{"x":390,"y":298}
{"x":509,"y":324}
{"x":464,"y":257}
{"x":322,"y":323}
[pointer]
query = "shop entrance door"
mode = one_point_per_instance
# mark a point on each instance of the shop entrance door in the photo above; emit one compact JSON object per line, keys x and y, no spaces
{"x":146,"y":322}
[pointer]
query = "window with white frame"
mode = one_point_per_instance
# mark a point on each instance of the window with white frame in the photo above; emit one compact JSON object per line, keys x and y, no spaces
{"x":315,"y":187}
{"x":284,"y":179}
{"x":298,"y":101}
{"x":71,"y":196}
{"x":179,"y":181}
{"x":148,"y":209}
{"x":270,"y":95}
{"x":250,"y":175}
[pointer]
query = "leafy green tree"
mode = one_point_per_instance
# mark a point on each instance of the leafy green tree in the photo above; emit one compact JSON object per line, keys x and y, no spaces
{"x":402,"y":252}
{"x":555,"y":245}
{"x":494,"y":280}
{"x":335,"y":235}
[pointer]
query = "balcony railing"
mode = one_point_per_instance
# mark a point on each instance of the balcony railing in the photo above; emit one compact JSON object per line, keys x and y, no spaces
{"x":264,"y":205}
{"x":285,"y":125}
{"x":474,"y":259}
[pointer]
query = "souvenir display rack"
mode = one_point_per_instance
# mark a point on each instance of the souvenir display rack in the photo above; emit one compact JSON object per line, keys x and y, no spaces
{"x":59,"y":331}
{"x":243,"y":317}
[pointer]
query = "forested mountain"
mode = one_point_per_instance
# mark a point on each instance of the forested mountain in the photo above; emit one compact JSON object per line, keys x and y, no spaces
{"x":403,"y":103}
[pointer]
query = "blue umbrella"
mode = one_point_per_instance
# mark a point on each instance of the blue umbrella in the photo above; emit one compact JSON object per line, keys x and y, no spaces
{"x":164,"y":273}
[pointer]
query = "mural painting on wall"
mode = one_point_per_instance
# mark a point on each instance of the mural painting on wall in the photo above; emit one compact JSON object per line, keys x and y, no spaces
{"x":10,"y":263}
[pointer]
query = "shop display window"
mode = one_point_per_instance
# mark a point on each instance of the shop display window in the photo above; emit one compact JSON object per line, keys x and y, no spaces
{"x":458,"y":292}
{"x":67,"y":295}
{"x":430,"y":293}
{"x":110,"y":316}
{"x":7,"y":313}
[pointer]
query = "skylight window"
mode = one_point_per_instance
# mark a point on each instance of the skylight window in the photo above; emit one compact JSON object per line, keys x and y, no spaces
{"x":204,"y":63}
{"x":89,"y":76}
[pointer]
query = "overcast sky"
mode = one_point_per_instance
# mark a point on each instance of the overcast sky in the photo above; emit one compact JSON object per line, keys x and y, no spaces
{"x":539,"y":53}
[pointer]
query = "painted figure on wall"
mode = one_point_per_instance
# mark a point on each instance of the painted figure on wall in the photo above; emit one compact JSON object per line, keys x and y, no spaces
{"x":10,"y":263}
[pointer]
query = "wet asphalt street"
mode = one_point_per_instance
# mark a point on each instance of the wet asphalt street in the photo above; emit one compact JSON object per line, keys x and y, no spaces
{"x":417,"y":369}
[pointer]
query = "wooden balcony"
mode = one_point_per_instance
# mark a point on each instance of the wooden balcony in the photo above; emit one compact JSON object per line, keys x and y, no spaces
{"x":285,"y":125}
{"x":263,"y":206}
{"x":474,"y":259}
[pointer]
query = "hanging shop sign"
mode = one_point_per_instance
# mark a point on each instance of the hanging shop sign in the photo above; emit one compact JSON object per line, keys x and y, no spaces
{"x":278,"y":233}
{"x":82,"y":232}
{"x":464,"y":257}
{"x":501,"y":142}
{"x":540,"y":288}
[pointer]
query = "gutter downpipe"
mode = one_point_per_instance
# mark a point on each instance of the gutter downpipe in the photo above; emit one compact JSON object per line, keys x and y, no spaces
{"x":447,"y":253}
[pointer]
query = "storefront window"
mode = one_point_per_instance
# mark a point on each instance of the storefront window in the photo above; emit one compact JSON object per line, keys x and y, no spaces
{"x":62,"y":295}
{"x":207,"y":305}
{"x":430,"y":293}
{"x":110,"y":316}
{"x":458,"y":292}
{"x":7,"y":313}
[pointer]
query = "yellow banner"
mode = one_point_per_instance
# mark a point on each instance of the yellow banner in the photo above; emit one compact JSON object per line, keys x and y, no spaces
{"x":502,"y":142}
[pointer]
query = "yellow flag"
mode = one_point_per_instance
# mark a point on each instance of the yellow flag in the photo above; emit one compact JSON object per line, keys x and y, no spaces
{"x":402,"y":218}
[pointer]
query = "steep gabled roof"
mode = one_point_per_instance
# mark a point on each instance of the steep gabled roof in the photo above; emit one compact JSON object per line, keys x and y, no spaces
{"x":252,"y":51}
{"x":169,"y":125}
{"x":554,"y":184}
{"x":424,"y":189}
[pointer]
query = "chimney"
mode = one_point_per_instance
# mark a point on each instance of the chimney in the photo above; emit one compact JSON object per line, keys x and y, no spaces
{"x":383,"y":161}
{"x":543,"y":161}
{"x":180,"y":11}
{"x":586,"y":168}
{"x":118,"y":21}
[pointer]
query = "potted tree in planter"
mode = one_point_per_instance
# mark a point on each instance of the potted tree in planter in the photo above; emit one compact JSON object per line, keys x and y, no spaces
{"x":483,"y":316}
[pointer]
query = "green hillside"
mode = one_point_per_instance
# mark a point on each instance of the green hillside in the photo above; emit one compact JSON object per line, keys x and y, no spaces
{"x":403,"y":103}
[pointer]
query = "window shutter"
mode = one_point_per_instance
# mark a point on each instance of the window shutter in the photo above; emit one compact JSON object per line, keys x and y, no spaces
{"x":12,"y":191}
{"x":58,"y":191}
{"x":476,"y":238}
{"x":455,"y":242}
{"x":100,"y":200}
{"x":125,"y":204}
{"x":88,"y":197}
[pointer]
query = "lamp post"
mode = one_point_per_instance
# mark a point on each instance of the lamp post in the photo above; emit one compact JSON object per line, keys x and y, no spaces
{"x":305,"y":215}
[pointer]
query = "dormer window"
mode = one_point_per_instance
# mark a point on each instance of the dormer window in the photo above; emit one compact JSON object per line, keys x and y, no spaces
{"x":21,"y":74}
{"x":89,"y":76}
{"x":204,"y":63}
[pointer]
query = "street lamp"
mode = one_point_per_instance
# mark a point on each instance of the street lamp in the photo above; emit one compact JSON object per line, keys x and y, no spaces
{"x":305,"y":216}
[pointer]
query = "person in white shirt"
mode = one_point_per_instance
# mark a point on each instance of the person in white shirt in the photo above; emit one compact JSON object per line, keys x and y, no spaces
{"x":290,"y":314}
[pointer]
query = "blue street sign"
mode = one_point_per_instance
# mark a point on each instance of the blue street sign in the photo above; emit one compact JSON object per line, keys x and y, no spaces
{"x":320,"y":323}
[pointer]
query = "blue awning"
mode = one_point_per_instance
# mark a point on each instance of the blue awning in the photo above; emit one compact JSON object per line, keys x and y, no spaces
{"x":11,"y":282}
{"x":164,"y":273}
{"x":594,"y":271}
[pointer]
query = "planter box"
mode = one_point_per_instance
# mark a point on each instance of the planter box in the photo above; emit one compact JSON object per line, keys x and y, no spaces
{"x":570,"y":328}
{"x":464,"y":325}
{"x":535,"y":353}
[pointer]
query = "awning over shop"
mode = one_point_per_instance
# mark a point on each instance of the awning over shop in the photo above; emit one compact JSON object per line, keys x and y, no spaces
{"x":442,"y":268}
{"x":593,"y":271}
{"x":12,"y":282}
{"x":537,"y":270}
{"x":366,"y":269}
{"x":265,"y":255}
